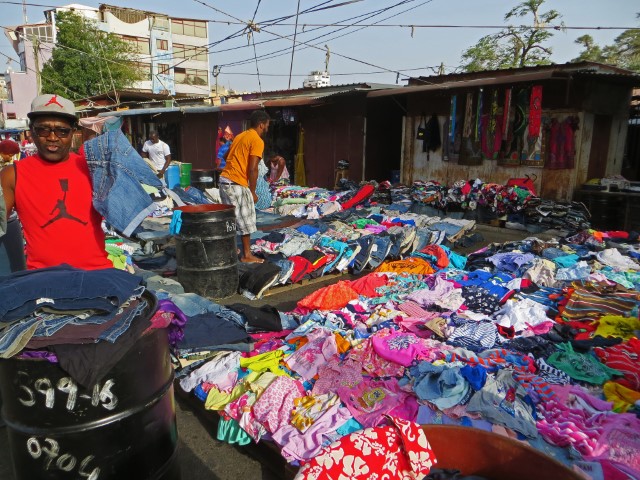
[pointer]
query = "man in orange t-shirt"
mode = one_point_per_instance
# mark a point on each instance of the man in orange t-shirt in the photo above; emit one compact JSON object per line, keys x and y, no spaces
{"x":239,"y":178}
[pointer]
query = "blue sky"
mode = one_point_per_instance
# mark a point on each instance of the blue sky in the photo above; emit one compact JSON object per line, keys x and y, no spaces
{"x":371,"y":49}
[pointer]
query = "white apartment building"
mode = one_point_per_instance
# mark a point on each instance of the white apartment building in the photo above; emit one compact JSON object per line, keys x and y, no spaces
{"x":173,"y":50}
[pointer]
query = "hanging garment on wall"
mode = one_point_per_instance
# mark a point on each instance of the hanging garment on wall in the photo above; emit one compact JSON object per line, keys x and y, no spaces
{"x":562,"y":149}
{"x":534,"y":156}
{"x":491,"y":136}
{"x":422,"y":130}
{"x":477,"y":133}
{"x":506,"y":113}
{"x":431,"y":141}
{"x":535,"y":111}
{"x":493,"y":116}
{"x":468,"y":116}
{"x":515,"y":141}
{"x":452,"y":118}
{"x":470,"y":148}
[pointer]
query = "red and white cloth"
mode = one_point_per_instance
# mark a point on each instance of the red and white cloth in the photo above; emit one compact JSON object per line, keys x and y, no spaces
{"x":398,"y":451}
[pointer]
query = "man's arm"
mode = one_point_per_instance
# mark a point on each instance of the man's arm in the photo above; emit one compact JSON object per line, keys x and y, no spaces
{"x":145,"y":151}
{"x":167,"y":161}
{"x":280,"y":167}
{"x":252,"y":172}
{"x":8,"y":180}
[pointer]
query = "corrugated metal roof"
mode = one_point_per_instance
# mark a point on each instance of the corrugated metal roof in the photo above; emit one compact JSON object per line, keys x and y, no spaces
{"x":321,"y":91}
{"x":627,"y":77}
{"x":565,"y":67}
{"x":153,"y":111}
{"x":478,"y":82}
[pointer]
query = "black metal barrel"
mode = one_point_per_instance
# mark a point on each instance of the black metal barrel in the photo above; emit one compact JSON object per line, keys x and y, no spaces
{"x":203,"y":179}
{"x":122,"y":427}
{"x":606,"y":211}
{"x":206,"y":250}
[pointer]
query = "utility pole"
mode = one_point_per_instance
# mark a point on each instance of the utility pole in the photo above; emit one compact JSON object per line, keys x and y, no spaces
{"x":216,"y":72}
{"x":24,"y":13}
{"x":36,"y":50}
{"x":293,"y":49}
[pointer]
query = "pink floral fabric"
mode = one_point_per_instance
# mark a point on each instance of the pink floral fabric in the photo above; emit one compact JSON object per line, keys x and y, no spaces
{"x":372,"y":363}
{"x":273,"y":408}
{"x":320,"y":348}
{"x":336,"y":374}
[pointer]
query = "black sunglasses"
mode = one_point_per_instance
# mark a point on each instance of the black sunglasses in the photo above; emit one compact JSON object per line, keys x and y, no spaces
{"x":61,"y":132}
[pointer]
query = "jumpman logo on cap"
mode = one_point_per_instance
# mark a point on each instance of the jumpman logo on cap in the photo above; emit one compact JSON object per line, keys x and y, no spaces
{"x":53,"y":101}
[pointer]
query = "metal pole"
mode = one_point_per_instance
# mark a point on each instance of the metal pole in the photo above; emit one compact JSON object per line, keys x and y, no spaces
{"x":216,"y":72}
{"x":293,"y":50}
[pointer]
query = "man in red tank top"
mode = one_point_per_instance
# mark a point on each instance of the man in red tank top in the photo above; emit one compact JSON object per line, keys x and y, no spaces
{"x":52,"y":193}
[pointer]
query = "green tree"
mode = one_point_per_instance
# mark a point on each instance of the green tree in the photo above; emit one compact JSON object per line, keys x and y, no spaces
{"x":515,"y":46}
{"x":624,"y":52}
{"x":591,"y":52}
{"x":87,"y":61}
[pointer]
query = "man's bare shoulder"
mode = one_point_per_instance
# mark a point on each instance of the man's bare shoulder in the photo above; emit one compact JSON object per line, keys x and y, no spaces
{"x":8,"y":174}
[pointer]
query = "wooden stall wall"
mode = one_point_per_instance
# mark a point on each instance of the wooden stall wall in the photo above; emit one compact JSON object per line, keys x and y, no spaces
{"x":599,"y":141}
{"x":199,"y":139}
{"x":333,"y":132}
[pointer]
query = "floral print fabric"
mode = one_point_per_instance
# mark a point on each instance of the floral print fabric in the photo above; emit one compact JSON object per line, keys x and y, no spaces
{"x":399,"y":451}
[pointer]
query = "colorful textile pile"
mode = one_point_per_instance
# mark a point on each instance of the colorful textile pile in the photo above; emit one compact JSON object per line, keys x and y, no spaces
{"x":535,"y":340}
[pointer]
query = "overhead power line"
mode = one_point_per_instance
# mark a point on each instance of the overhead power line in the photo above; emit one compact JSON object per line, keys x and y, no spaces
{"x":239,"y":21}
{"x":362,"y":17}
{"x":492,"y":27}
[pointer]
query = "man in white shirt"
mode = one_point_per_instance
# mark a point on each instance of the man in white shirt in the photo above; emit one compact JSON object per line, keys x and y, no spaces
{"x":157,"y":152}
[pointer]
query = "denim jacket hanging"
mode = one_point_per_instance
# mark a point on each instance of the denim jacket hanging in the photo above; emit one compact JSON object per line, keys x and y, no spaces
{"x":117,"y":171}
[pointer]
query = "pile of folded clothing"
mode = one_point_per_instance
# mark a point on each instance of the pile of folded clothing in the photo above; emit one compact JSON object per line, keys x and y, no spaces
{"x":550,"y":215}
{"x":469,"y":194}
{"x":83,"y":320}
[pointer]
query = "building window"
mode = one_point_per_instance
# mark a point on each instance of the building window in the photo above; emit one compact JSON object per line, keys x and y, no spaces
{"x":191,"y":76}
{"x":42,"y":33}
{"x":190,"y":52}
{"x":146,"y":69}
{"x":160,"y":23}
{"x":163,"y":69}
{"x":189,"y":27}
{"x":140,"y":45}
{"x":127,"y":15}
{"x":11,"y":116}
{"x":162,"y":44}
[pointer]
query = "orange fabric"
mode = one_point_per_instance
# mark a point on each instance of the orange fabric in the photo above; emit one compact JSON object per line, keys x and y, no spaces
{"x":246,"y":144}
{"x":414,"y":265}
{"x":343,"y":345}
{"x":332,"y":297}
{"x":442,"y":260}
{"x":367,"y":285}
{"x":298,"y":342}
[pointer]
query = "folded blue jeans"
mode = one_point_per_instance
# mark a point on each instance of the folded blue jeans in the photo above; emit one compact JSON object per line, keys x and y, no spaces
{"x":64,"y":288}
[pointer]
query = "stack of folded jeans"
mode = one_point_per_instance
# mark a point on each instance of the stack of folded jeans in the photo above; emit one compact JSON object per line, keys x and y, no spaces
{"x":571,"y":216}
{"x":63,"y":308}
